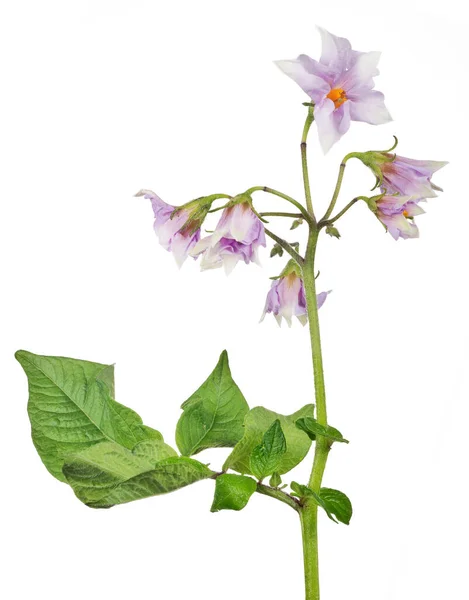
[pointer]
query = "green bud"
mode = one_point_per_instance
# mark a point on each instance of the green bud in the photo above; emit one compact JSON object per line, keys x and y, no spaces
{"x":275,"y":480}
{"x":276,"y":250}
{"x":332,"y":231}
{"x":296,"y":223}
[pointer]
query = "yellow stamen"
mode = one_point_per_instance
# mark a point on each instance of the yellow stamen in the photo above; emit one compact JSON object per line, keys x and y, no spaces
{"x":405,"y":213}
{"x":338,"y":97}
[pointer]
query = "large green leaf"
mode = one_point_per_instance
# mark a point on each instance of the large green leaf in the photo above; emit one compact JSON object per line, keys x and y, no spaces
{"x":256,"y":423}
{"x":107,"y":474}
{"x":213,"y":416}
{"x":232,"y":492}
{"x":71,"y":408}
{"x":266,"y":457}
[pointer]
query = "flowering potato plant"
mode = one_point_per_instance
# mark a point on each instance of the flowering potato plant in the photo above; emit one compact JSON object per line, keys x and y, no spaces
{"x":102,"y":449}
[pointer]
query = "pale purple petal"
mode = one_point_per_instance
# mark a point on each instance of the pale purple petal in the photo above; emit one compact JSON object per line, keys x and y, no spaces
{"x":330,"y":127}
{"x":238,"y":235}
{"x":411,"y":177}
{"x":286,"y":299}
{"x":368,"y":106}
{"x":335,"y":50}
{"x":314,"y":86}
{"x":360,"y":76}
{"x":411,"y":209}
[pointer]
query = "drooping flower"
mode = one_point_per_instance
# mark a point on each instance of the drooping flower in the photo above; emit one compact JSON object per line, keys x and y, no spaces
{"x":237,"y":236}
{"x":410,"y":177}
{"x":177,"y":228}
{"x":286,"y":297}
{"x":399,"y":175}
{"x":397,"y":214}
{"x":340,"y":86}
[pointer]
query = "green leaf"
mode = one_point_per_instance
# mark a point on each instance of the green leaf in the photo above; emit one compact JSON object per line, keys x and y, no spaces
{"x":256,"y":423}
{"x":266,"y":457}
{"x":107,"y":474}
{"x":71,"y":408}
{"x":213,"y":416}
{"x":332,"y":501}
{"x":232,"y":492}
{"x":311,"y":427}
{"x":337,"y":503}
{"x":275,"y":480}
{"x":304,"y":492}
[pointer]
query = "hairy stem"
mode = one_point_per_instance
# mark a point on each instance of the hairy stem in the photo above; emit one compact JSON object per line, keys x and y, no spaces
{"x":281,"y":214}
{"x":279,"y":495}
{"x":309,"y":533}
{"x":338,"y":185}
{"x":304,"y":161}
{"x":269,"y":190}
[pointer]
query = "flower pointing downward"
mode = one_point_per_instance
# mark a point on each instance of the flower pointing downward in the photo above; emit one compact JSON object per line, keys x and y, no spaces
{"x":397,"y":214}
{"x":286,"y":297}
{"x":340,"y":85}
{"x":237,"y":236}
{"x":177,"y":228}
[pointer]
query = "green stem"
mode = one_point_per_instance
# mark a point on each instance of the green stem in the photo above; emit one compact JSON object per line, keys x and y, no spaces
{"x":324,"y":222}
{"x":309,"y":514}
{"x":279,"y":495}
{"x":304,"y":161}
{"x":338,"y":185}
{"x":269,"y":190}
{"x":309,"y":533}
{"x":281,"y":214}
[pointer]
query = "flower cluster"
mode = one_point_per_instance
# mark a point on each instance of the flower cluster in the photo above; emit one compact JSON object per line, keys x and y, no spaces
{"x":341,"y":89}
{"x":237,"y":236}
{"x":405,"y":183}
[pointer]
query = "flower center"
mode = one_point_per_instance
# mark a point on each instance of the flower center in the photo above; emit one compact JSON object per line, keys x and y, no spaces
{"x":338,"y":97}
{"x":405,"y":213}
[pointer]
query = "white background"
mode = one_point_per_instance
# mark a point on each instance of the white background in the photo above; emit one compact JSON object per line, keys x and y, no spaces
{"x":103,"y":98}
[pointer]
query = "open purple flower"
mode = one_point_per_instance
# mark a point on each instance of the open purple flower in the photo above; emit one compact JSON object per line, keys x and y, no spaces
{"x":177,"y":230}
{"x":340,"y":86}
{"x":238,"y":235}
{"x":410,"y":177}
{"x":286,"y":297}
{"x":397,"y":215}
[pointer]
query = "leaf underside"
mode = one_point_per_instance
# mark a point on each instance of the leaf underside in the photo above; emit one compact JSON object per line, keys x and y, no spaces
{"x":71,"y":408}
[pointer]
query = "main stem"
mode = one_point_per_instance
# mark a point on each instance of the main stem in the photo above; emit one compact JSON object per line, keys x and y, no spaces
{"x":309,"y":510}
{"x":309,"y":513}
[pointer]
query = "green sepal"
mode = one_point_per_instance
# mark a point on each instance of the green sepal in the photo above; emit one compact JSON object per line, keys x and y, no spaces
{"x":213,"y":416}
{"x":256,"y":423}
{"x":312,"y":428}
{"x":71,"y":408}
{"x":232,"y":492}
{"x":267,"y":456}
